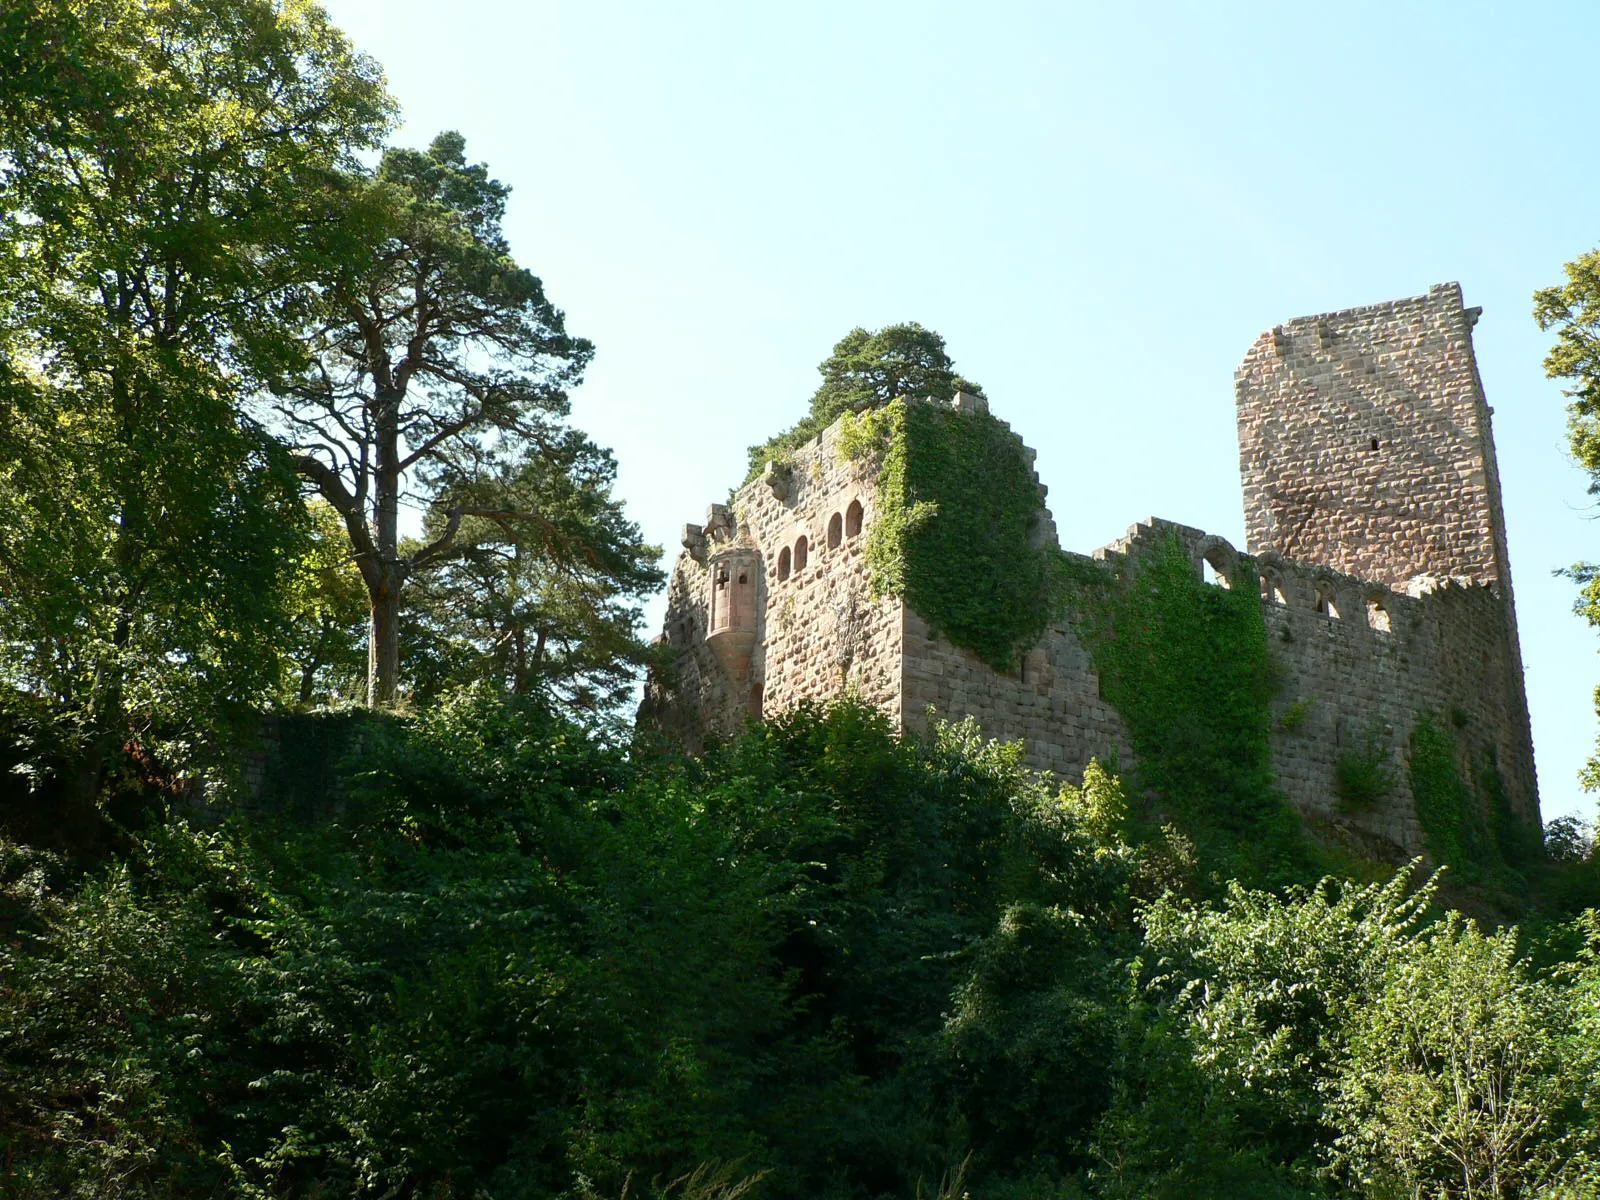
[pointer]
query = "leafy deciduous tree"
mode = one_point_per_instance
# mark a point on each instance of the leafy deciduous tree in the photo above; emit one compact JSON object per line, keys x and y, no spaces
{"x":1572,"y":311}
{"x":161,"y":168}
{"x":324,"y":650}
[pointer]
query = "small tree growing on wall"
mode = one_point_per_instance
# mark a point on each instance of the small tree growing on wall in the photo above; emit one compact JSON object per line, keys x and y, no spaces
{"x":866,"y":370}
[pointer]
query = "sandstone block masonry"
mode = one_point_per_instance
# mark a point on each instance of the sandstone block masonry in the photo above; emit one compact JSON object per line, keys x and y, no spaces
{"x":1374,"y":527}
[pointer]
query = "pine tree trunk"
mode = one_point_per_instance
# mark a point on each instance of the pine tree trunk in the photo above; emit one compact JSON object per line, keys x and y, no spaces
{"x":383,"y":646}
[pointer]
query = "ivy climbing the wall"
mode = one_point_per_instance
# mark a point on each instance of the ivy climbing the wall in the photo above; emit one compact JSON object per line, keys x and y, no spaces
{"x":1472,"y":829}
{"x":957,"y":500}
{"x":1186,"y":664}
{"x":1450,"y":816}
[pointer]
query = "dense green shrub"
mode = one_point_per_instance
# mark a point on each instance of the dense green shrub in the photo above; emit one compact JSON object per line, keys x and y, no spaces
{"x":509,"y":960}
{"x":1364,"y":772}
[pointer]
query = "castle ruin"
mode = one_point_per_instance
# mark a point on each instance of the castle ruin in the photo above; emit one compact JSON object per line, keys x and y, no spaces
{"x":1373,"y":525}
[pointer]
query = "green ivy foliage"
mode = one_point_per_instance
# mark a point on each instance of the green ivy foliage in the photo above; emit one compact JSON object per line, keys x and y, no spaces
{"x":1364,"y":773}
{"x":1186,"y":664}
{"x":1451,"y":822}
{"x":957,"y":498}
{"x":1472,"y":828}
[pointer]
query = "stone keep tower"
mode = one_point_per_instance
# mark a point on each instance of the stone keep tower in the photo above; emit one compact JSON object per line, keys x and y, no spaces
{"x":1364,"y":444}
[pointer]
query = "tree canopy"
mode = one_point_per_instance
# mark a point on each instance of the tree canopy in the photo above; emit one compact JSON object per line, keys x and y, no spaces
{"x":1572,"y":311}
{"x":558,"y":616}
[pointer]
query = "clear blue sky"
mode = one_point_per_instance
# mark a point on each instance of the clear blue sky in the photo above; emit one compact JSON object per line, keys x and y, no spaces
{"x":1099,"y":207}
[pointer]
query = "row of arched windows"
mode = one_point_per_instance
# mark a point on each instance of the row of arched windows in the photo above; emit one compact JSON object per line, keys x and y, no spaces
{"x":1327,"y":605}
{"x":840,"y":526}
{"x":1216,"y":564}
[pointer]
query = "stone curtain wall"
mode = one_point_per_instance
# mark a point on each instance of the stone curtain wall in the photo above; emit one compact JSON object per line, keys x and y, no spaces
{"x":1357,"y":660}
{"x":1052,"y":701}
{"x":1342,"y":673}
{"x":1313,"y":396}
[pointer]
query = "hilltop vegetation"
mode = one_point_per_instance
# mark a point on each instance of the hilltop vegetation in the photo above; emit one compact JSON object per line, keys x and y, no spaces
{"x":479,"y":953}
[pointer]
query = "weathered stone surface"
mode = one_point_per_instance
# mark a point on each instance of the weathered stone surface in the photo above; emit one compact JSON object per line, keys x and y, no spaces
{"x":1386,"y":589}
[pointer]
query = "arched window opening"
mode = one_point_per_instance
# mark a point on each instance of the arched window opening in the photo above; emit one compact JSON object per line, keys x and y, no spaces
{"x":1211,"y":572}
{"x":800,"y":553}
{"x":783,"y":564}
{"x":835,"y":531}
{"x":852,"y":519}
{"x":1272,"y":589}
{"x":1378,"y":615}
{"x":719,"y":598}
{"x":1326,"y":606}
